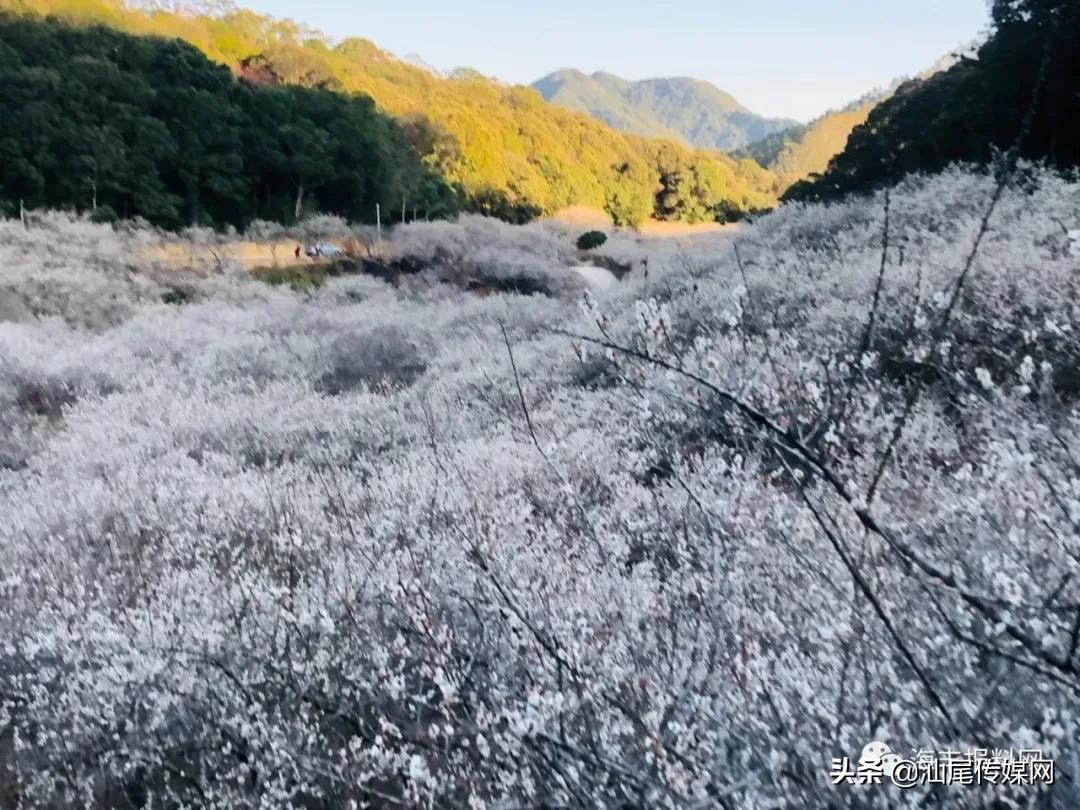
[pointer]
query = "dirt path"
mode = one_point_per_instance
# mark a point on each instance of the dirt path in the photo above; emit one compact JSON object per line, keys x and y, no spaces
{"x":249,"y":255}
{"x":582,"y":216}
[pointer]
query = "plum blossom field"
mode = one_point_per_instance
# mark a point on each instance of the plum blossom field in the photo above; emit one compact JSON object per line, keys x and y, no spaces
{"x":674,"y":543}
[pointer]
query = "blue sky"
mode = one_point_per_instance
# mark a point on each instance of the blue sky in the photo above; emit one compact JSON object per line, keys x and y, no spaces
{"x":792,"y":58}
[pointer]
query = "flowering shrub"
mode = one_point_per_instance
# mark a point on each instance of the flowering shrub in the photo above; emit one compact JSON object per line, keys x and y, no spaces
{"x":673,"y":544}
{"x":488,"y":253}
{"x":386,"y":356}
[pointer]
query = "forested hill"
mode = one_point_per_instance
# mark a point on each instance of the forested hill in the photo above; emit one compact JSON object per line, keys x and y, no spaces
{"x":689,"y":110}
{"x":503,"y":149}
{"x":1022,"y":91}
{"x":102,"y":121}
{"x":802,"y":151}
{"x":796,"y":153}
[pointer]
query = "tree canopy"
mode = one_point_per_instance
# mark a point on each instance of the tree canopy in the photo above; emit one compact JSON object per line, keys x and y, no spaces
{"x":95,"y":118}
{"x":506,"y":151}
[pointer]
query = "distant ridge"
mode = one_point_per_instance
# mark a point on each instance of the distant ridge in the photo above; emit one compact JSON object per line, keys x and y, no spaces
{"x":797,"y":153}
{"x":500,"y":148}
{"x":678,"y":108}
{"x":416,"y":60}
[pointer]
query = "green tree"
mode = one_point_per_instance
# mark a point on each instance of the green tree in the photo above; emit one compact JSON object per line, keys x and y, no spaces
{"x":628,"y":200}
{"x":151,"y":128}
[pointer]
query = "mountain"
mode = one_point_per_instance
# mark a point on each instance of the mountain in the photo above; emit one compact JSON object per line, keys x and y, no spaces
{"x":504,"y":150}
{"x":811,"y":152}
{"x":796,"y":153}
{"x":416,"y":60}
{"x":803,"y":150}
{"x":1014,"y":97}
{"x":688,"y":110}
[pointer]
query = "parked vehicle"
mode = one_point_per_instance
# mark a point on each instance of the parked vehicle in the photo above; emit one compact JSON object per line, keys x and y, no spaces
{"x":322,"y":249}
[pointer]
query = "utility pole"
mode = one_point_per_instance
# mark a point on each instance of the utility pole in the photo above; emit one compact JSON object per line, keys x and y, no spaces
{"x":22,"y":214}
{"x":378,"y":225}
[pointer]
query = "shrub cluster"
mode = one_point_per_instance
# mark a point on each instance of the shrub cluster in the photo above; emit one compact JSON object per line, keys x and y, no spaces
{"x":591,"y":239}
{"x":673,"y":544}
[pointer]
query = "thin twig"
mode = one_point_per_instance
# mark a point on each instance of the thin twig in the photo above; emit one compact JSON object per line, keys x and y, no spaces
{"x":868,"y":334}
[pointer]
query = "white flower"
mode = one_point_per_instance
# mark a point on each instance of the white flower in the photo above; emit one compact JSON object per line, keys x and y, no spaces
{"x":1027,"y":369}
{"x":418,"y":770}
{"x":1007,"y":588}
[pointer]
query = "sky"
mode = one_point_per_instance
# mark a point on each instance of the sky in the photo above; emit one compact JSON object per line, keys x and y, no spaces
{"x":785,"y":58}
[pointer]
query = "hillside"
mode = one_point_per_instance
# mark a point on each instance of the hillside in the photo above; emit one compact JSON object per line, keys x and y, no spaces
{"x":808,"y":150}
{"x":692,"y":111}
{"x":1017,"y":95}
{"x":796,"y":153}
{"x":505,"y":150}
{"x":119,"y":125}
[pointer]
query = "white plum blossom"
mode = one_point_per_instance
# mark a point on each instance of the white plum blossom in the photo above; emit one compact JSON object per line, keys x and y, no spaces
{"x":673,"y":544}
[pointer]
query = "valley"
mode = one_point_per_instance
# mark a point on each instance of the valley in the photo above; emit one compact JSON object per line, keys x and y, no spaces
{"x":375,"y":436}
